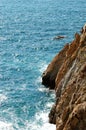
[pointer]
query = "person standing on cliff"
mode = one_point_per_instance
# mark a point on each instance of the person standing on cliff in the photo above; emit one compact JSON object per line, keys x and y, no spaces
{"x":83,"y":34}
{"x":84,"y":29}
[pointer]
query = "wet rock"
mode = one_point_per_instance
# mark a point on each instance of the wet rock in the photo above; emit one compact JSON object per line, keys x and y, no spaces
{"x":52,"y":116}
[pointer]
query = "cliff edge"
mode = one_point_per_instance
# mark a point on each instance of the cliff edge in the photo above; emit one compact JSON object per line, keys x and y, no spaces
{"x":67,"y":75}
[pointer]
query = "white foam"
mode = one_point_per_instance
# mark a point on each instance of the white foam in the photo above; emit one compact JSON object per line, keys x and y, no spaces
{"x":45,"y":126}
{"x":48,"y":126}
{"x":43,"y":89}
{"x":2,"y":98}
{"x":42,"y":116}
{"x":2,"y":38}
{"x":41,"y":122}
{"x":5,"y":126}
{"x":38,"y":80}
{"x":23,"y":87}
{"x":49,"y":104}
{"x":42,"y":67}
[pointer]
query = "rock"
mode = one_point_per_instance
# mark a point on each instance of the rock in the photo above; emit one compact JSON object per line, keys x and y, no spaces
{"x":67,"y":75}
{"x":77,"y":118}
{"x":52,"y":116}
{"x":49,"y":75}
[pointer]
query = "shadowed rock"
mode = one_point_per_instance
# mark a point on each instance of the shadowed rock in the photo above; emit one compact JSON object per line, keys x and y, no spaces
{"x":49,"y":75}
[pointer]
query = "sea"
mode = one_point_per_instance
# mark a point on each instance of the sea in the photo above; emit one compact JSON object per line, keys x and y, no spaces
{"x":27,"y":46}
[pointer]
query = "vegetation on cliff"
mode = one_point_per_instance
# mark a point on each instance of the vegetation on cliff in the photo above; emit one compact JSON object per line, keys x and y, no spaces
{"x":67,"y":75}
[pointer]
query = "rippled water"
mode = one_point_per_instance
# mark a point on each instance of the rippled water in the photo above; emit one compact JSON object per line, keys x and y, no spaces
{"x":27,"y":29}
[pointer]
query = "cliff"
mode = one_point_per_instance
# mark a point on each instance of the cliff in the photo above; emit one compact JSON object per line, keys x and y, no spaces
{"x":67,"y":75}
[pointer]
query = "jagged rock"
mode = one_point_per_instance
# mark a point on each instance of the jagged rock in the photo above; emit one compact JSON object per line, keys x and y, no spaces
{"x":52,"y":116}
{"x":49,"y":76}
{"x":77,"y":119}
{"x":69,"y":77}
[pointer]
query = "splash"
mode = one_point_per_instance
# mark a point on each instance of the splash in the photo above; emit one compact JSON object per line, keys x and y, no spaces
{"x":5,"y":126}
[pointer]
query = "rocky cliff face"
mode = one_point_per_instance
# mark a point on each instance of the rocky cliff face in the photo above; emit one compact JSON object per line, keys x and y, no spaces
{"x":67,"y":75}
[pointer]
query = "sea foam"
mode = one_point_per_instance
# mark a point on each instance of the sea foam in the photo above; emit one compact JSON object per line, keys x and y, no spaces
{"x":2,"y":98}
{"x":2,"y":38}
{"x":43,"y":67}
{"x":41,"y":122}
{"x":5,"y":126}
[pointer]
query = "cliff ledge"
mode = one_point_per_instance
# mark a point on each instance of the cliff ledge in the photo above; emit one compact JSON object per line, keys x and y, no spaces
{"x":67,"y":75}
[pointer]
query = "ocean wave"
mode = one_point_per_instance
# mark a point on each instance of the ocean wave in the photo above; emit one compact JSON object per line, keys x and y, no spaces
{"x":2,"y":39}
{"x":49,"y":104}
{"x":23,"y":87}
{"x":42,"y":67}
{"x":38,"y":80}
{"x":1,"y":76}
{"x":2,"y":98}
{"x":41,"y":122}
{"x":43,"y":89}
{"x":5,"y":126}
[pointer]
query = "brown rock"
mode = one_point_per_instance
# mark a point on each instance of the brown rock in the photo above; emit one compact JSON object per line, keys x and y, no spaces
{"x":68,"y":72}
{"x":77,"y":119}
{"x":49,"y":76}
{"x":52,"y":116}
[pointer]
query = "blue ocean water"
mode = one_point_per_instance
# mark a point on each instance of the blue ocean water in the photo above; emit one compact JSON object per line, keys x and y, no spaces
{"x":27,"y":29}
